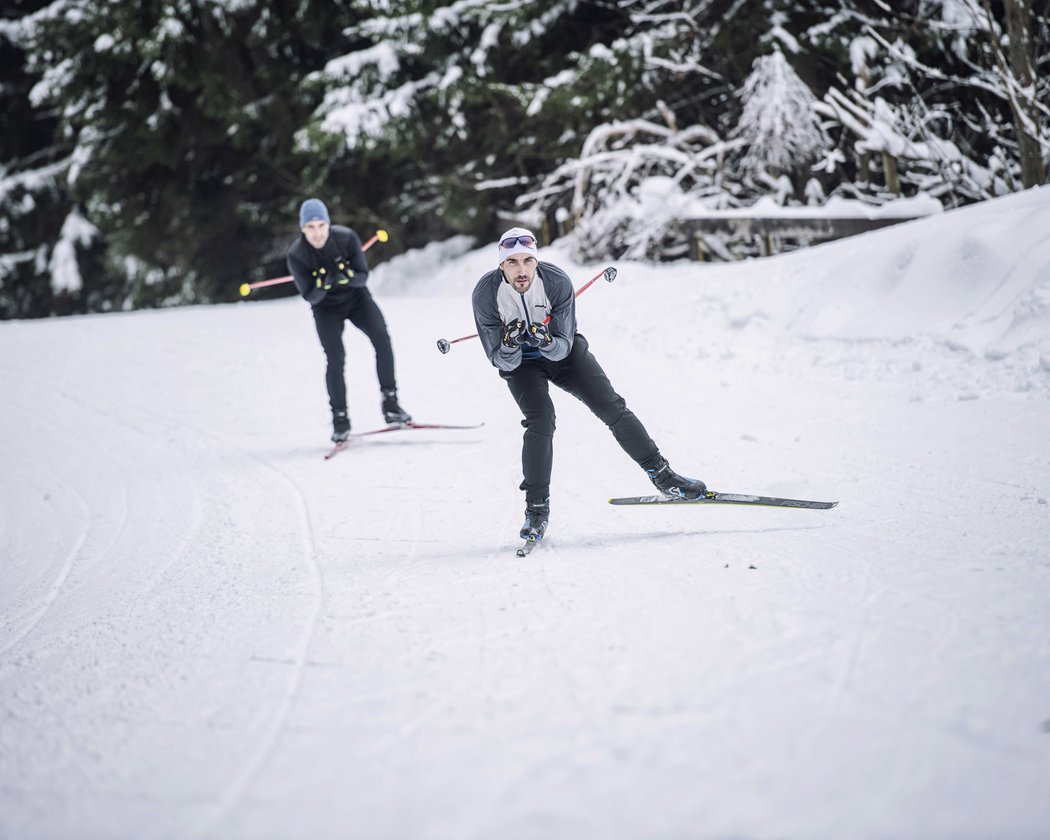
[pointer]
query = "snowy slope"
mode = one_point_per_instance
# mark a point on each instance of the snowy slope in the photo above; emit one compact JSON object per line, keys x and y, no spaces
{"x":206,"y":631}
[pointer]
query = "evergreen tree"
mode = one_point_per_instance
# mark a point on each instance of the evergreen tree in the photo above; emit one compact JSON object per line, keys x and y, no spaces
{"x":638,"y":175}
{"x":179,"y":119}
{"x":155,"y":153}
{"x":904,"y":126}
{"x":448,"y":109}
{"x":50,"y":258}
{"x":778,"y":122}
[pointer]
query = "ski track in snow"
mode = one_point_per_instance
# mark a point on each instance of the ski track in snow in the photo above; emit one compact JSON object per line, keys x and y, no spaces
{"x":86,"y":556}
{"x":38,"y":607}
{"x":235,"y":789}
{"x":208,"y":631}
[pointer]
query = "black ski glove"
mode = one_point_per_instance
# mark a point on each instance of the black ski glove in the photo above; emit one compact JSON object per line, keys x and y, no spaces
{"x":514,"y":334}
{"x":537,"y":335}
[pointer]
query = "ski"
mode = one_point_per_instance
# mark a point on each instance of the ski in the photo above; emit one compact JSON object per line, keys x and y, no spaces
{"x":715,"y":498}
{"x":393,"y":427}
{"x":335,"y":450}
{"x":526,"y":547}
{"x":400,"y":427}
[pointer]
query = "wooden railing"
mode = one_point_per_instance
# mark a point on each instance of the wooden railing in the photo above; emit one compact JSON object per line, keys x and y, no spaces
{"x":771,"y":231}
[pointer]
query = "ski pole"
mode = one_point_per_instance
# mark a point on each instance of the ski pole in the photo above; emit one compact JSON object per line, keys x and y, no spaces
{"x":608,"y":273}
{"x":246,"y":288}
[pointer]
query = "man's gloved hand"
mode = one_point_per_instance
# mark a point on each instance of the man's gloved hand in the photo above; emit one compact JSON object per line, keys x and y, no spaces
{"x":514,"y":334}
{"x":537,"y":335}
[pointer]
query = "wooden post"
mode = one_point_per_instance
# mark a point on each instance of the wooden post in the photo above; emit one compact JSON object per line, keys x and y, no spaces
{"x":862,"y":169}
{"x":889,"y":169}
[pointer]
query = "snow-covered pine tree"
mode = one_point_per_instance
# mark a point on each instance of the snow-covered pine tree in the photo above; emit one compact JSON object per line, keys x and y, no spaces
{"x":178,"y":121}
{"x":453,"y":108}
{"x":49,"y":255}
{"x":779,"y":128}
{"x":636,"y":177}
{"x":185,"y":131}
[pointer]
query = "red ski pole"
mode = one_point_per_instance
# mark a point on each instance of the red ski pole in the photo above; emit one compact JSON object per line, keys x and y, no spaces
{"x":246,"y":288}
{"x":608,"y":273}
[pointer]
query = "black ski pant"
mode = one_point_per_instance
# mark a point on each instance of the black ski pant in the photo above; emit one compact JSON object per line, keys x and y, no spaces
{"x":357,"y":307}
{"x":580,"y":374}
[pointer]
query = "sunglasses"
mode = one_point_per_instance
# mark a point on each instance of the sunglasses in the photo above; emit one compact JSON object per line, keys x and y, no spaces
{"x":524,"y":241}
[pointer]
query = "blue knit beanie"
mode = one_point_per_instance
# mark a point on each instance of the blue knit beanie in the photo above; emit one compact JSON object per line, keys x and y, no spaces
{"x":313,"y":210}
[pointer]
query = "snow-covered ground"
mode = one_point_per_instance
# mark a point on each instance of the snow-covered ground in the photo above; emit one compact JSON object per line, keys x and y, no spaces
{"x":207,"y":631}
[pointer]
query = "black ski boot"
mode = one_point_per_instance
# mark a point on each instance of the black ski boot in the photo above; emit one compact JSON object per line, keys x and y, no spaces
{"x":392,"y":410}
{"x":675,"y":486}
{"x":340,"y":426}
{"x":536,"y":516}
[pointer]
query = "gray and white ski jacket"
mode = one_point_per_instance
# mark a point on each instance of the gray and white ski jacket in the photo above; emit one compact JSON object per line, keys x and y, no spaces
{"x":496,"y":303}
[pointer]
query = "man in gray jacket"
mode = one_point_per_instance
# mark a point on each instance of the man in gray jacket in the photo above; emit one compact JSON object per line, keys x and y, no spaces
{"x":525,"y":312}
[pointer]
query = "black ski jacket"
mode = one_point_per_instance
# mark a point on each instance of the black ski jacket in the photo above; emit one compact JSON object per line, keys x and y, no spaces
{"x":319,"y":273}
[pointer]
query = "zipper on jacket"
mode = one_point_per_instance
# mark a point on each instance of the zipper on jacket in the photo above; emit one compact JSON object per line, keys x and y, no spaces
{"x":525,"y":309}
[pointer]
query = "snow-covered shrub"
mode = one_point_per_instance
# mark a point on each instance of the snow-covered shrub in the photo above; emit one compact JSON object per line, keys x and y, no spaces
{"x":633,"y":184}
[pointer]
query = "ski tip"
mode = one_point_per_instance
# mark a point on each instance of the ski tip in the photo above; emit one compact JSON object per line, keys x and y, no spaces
{"x":528,"y":546}
{"x":643,"y":500}
{"x":335,"y":450}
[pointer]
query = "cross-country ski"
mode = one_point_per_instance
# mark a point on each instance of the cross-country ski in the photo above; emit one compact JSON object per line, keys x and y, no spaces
{"x":411,"y":425}
{"x":714,"y":498}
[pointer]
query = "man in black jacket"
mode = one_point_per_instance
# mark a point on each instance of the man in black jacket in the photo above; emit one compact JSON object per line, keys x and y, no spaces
{"x":330,"y":272}
{"x":528,"y":331}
